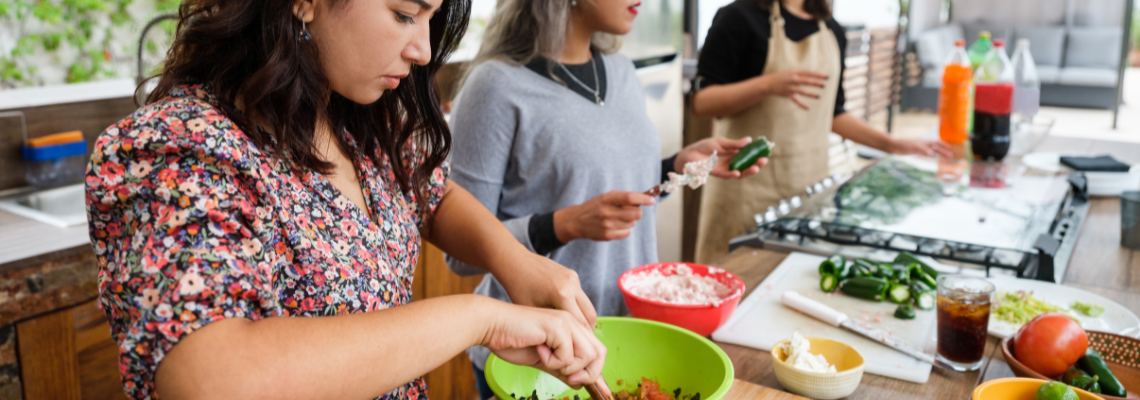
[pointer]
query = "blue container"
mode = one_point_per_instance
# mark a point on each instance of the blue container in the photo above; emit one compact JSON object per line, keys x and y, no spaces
{"x":55,"y":165}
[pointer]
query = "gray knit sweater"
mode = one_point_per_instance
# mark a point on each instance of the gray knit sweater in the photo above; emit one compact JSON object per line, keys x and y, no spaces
{"x":526,"y":145}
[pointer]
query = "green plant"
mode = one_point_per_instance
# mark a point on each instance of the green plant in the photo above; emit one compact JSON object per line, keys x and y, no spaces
{"x":1136,"y":29}
{"x":86,"y":39}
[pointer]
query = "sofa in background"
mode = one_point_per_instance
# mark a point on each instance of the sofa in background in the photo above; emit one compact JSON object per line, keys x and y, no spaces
{"x":1077,"y":66}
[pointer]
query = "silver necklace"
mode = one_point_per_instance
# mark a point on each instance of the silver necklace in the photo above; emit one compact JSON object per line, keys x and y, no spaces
{"x":596,"y":89}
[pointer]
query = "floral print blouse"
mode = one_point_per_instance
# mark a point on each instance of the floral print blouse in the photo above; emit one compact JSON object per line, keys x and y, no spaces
{"x":192,"y":223}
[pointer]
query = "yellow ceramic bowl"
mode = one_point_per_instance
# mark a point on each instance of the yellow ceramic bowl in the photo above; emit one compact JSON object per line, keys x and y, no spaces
{"x":1018,"y":389}
{"x":819,"y":385}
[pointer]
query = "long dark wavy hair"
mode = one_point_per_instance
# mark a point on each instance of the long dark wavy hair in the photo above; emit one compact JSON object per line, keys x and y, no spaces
{"x":247,"y":52}
{"x":820,"y":9}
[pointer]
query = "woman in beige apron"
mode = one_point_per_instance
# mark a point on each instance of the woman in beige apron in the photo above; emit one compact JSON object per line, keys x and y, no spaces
{"x":788,"y":101}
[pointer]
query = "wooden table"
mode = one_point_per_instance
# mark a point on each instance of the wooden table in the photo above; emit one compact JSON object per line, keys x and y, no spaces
{"x":1099,"y":265}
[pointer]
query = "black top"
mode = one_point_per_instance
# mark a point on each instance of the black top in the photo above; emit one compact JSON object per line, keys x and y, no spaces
{"x":736,"y":48}
{"x":583,"y":72}
{"x":541,"y":226}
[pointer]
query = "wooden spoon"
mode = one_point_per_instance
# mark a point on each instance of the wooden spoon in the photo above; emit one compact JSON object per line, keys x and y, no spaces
{"x":599,"y":390}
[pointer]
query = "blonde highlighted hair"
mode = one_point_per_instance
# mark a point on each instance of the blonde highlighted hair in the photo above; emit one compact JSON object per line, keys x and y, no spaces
{"x":524,"y":30}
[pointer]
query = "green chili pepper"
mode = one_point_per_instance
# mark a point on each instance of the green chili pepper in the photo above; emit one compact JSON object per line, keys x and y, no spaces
{"x":917,"y":274}
{"x":924,"y":298}
{"x":873,"y":289}
{"x":828,"y":282}
{"x":1095,"y":365}
{"x":749,"y":154}
{"x":906,"y":258}
{"x":898,"y":293}
{"x":864,"y":268}
{"x":833,"y":265}
{"x":831,"y":271}
{"x":901,"y":273}
{"x":1073,"y":374}
{"x":904,"y":311}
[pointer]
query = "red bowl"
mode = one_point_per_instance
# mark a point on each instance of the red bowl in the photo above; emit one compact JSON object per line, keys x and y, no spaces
{"x":702,"y":319}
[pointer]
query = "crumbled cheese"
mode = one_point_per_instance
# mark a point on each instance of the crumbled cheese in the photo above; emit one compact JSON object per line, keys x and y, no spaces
{"x":676,"y":284}
{"x":694,"y":175}
{"x":800,"y":356}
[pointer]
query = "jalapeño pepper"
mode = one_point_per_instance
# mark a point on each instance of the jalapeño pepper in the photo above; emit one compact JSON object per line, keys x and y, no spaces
{"x":750,"y":153}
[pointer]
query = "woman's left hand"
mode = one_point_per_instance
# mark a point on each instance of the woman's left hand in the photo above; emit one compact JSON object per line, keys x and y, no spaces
{"x":725,"y":148}
{"x":929,"y":148}
{"x":538,"y":281}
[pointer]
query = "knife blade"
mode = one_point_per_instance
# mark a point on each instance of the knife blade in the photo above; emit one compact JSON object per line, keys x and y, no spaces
{"x":833,"y":317}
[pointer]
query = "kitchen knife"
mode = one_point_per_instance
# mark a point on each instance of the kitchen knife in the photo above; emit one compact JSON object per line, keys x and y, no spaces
{"x":833,"y":317}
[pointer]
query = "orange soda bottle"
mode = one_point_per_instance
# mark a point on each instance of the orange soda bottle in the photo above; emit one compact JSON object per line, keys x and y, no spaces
{"x":954,"y":98}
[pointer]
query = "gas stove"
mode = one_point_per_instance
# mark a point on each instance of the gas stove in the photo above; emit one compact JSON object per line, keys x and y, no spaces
{"x":1027,"y":228}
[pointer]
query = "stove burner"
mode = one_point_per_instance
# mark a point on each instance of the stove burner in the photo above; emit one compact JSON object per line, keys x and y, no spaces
{"x":782,"y":227}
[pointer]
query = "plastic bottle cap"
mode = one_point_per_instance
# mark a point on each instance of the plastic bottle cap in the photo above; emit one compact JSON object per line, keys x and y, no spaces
{"x":960,"y":43}
{"x":999,"y":43}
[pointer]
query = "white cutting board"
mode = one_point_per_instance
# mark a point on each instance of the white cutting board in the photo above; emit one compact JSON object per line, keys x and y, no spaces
{"x":761,"y":321}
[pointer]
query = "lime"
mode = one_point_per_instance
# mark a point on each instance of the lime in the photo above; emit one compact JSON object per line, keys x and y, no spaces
{"x":1055,"y":391}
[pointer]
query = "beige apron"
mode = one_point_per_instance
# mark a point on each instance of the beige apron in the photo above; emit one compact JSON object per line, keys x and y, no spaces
{"x":801,"y":137}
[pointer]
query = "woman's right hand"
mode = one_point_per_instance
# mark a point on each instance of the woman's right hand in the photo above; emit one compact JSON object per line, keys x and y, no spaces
{"x":796,"y":85}
{"x":551,"y":340}
{"x":609,"y":216}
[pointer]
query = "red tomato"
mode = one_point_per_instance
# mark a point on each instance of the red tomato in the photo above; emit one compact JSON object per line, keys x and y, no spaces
{"x":1050,"y":344}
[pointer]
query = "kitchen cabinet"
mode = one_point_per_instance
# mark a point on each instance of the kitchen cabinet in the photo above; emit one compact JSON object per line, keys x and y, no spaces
{"x":68,"y":354}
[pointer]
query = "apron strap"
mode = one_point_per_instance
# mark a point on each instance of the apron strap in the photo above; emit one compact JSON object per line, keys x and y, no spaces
{"x":775,"y":19}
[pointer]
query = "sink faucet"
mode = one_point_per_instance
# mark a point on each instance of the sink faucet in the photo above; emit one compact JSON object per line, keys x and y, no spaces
{"x":140,"y":74}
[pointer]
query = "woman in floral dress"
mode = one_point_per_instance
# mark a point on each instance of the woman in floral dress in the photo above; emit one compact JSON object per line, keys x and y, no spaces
{"x":257,"y":223}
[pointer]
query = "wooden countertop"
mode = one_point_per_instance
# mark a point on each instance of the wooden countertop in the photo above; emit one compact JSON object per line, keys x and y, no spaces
{"x":1099,"y":265}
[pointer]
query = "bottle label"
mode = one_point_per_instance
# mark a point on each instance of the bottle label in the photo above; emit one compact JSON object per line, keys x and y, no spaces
{"x":994,"y":97}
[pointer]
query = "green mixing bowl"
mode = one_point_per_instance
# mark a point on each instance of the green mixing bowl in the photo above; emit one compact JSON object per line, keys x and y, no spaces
{"x":672,"y":356}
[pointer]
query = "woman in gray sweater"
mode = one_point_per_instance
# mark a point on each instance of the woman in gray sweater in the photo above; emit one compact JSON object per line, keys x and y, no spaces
{"x":551,"y":134}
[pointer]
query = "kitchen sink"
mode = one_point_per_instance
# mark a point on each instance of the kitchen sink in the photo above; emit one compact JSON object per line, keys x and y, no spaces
{"x":63,"y":206}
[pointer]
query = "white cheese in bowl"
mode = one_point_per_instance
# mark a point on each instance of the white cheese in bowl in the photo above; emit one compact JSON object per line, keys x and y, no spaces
{"x":800,"y":356}
{"x":678,"y":284}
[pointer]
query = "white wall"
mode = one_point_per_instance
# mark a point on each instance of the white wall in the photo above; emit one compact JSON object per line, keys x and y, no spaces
{"x":706,"y":10}
{"x":924,"y":14}
{"x":1100,"y":13}
{"x":1017,"y":13}
{"x":868,"y":13}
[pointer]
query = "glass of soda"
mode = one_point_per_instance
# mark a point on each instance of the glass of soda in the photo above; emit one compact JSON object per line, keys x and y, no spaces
{"x":963,"y":319}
